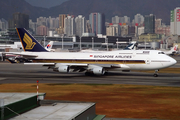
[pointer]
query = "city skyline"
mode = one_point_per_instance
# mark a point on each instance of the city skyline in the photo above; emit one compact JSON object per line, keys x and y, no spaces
{"x":72,"y":28}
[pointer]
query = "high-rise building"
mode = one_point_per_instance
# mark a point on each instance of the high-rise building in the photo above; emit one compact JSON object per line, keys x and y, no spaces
{"x":97,"y":22}
{"x":140,"y":30}
{"x":113,"y":30}
{"x":61,"y":23}
{"x":19,"y":20}
{"x":3,"y":24}
{"x":80,"y":25}
{"x":88,"y":27}
{"x":158,"y":23}
{"x":124,"y":30}
{"x":41,"y":21}
{"x":175,"y":21}
{"x":138,"y":19}
{"x":69,"y":26}
{"x":115,"y":20}
{"x":149,"y":23}
{"x":42,"y":30}
{"x":52,"y":23}
{"x":124,"y":20}
{"x":32,"y":26}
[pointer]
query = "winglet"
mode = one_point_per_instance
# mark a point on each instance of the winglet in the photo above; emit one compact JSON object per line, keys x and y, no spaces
{"x":28,"y":42}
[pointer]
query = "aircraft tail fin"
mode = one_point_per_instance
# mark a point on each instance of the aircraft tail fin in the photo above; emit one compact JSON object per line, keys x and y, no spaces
{"x":28,"y":42}
{"x":131,"y":46}
{"x":49,"y":46}
{"x":174,"y":48}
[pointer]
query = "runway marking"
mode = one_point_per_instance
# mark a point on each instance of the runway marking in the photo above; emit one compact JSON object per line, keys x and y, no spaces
{"x":2,"y":79}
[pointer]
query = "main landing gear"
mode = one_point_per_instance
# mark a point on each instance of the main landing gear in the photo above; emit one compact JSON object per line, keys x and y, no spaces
{"x":156,"y":73}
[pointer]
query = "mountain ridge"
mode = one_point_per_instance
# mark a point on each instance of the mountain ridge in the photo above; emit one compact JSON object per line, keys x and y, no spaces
{"x":160,"y":8}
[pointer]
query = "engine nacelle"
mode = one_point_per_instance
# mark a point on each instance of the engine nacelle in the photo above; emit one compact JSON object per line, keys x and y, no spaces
{"x":64,"y":69}
{"x":98,"y":71}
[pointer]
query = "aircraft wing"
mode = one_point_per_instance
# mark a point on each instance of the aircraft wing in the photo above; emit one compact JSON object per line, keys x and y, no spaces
{"x":61,"y":64}
{"x":25,"y":55}
{"x":77,"y":66}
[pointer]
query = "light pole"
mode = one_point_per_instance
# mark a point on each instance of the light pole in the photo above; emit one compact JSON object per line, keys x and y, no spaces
{"x":107,"y":44}
{"x":80,"y":42}
{"x":44,"y":40}
{"x":62,"y":42}
{"x":92,"y":43}
{"x":117,"y":43}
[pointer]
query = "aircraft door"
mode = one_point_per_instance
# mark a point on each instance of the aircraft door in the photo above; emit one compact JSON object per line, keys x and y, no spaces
{"x":148,"y":61}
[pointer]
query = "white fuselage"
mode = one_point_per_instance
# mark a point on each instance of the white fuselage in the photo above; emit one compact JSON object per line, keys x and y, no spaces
{"x":124,"y":59}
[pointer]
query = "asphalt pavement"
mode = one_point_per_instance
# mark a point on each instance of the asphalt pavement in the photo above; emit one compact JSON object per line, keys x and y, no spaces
{"x":19,"y":73}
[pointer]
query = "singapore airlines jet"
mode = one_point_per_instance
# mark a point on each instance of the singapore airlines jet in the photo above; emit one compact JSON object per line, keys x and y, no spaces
{"x":93,"y":62}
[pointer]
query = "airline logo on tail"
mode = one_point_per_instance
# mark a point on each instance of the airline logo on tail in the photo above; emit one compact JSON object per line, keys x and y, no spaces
{"x":29,"y":43}
{"x":175,"y":48}
{"x":48,"y":46}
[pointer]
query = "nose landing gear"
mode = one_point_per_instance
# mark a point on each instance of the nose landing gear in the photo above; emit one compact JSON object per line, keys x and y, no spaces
{"x":156,"y":73}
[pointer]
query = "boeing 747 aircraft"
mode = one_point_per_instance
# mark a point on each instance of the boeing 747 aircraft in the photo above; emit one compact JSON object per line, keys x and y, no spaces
{"x":92,"y":62}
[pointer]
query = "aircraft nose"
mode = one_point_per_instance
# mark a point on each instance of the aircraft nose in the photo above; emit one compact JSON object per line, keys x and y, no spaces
{"x":173,"y":61}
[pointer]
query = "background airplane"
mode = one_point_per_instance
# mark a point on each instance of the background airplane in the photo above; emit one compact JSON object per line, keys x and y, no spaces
{"x":172,"y":51}
{"x":49,"y":47}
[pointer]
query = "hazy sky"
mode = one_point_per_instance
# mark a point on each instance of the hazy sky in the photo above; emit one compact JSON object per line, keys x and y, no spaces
{"x":45,"y":3}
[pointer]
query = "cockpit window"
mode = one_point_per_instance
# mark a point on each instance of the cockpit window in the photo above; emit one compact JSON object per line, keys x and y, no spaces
{"x":161,"y":53}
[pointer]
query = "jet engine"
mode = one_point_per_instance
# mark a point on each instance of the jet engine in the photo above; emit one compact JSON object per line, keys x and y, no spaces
{"x":62,"y":68}
{"x":98,"y":71}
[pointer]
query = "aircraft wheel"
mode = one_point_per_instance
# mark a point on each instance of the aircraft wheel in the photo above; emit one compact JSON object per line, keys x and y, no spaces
{"x":88,"y":73}
{"x":155,"y":75}
{"x":106,"y":73}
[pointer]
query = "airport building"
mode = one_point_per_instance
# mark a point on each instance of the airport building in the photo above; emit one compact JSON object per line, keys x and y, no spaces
{"x":24,"y":106}
{"x":73,"y":43}
{"x":175,"y":21}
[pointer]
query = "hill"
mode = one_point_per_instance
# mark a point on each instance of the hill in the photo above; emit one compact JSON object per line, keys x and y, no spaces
{"x":8,"y":7}
{"x":160,"y":8}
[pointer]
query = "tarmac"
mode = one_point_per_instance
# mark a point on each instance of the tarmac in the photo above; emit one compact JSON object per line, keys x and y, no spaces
{"x":19,"y":73}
